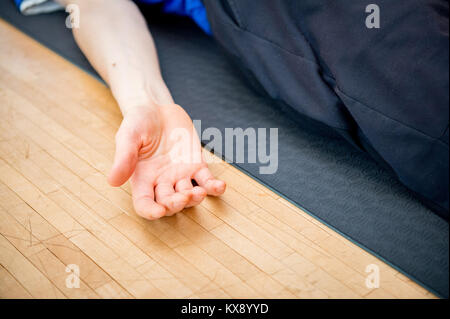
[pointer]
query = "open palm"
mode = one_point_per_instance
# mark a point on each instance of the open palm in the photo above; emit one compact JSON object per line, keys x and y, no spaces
{"x":160,"y":151}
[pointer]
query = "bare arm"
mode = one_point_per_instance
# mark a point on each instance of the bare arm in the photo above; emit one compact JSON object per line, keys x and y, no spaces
{"x":114,"y":37}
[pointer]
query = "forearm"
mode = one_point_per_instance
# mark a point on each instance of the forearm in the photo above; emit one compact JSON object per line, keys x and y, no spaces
{"x":114,"y":37}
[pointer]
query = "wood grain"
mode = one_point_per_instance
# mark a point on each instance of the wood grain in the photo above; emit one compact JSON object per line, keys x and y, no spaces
{"x":57,"y":127}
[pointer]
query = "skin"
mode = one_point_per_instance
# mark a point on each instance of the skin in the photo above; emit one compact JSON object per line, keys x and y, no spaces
{"x":114,"y":37}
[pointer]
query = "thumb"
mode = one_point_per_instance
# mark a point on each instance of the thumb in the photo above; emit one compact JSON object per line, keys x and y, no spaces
{"x":125,"y":159}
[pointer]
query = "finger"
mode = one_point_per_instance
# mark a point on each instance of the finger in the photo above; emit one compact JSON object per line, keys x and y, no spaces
{"x":174,"y":202}
{"x":125,"y":159}
{"x":197,"y":193}
{"x":205,"y":179}
{"x":183,"y":185}
{"x":144,"y":201}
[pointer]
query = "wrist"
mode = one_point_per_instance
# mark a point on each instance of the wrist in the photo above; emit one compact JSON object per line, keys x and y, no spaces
{"x":145,"y":101}
{"x":139,"y":109}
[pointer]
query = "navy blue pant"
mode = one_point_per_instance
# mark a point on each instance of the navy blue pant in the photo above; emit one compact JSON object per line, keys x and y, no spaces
{"x":384,"y":89}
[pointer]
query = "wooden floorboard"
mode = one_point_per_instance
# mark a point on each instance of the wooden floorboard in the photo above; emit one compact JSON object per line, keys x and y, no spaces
{"x":57,"y":127}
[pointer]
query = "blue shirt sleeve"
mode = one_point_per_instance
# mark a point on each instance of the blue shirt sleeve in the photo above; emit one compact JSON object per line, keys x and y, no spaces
{"x":191,"y":8}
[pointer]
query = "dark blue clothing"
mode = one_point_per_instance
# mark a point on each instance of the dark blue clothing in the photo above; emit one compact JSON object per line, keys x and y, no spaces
{"x":384,"y":89}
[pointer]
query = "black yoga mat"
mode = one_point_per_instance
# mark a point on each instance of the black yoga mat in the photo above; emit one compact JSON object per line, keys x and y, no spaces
{"x":322,"y":174}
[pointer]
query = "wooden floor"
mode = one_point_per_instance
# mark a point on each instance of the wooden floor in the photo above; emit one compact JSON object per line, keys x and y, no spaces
{"x":57,"y":127}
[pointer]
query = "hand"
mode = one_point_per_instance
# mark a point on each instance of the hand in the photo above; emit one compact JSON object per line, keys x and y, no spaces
{"x":159,"y":149}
